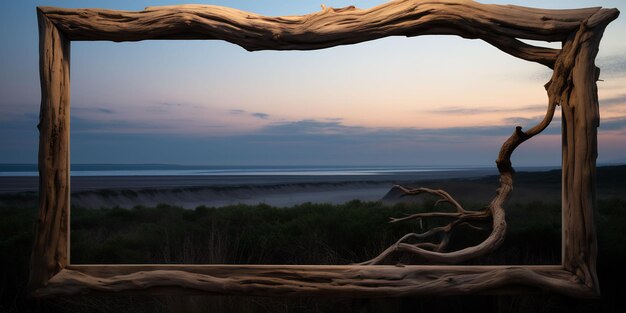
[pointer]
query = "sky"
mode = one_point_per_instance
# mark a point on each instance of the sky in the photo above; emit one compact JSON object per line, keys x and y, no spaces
{"x":429,"y":100}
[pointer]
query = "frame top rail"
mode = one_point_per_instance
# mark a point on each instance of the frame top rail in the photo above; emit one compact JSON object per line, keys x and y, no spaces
{"x":500,"y":25}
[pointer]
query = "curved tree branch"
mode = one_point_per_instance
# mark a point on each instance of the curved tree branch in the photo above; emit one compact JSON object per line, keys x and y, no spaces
{"x":435,"y":252}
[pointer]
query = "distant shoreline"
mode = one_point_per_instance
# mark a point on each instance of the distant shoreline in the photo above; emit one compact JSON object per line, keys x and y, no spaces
{"x":80,"y":183}
{"x":477,"y":185}
{"x":261,"y":170}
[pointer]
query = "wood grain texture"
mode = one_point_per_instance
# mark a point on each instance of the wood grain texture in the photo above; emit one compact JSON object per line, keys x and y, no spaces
{"x":50,"y":250}
{"x":301,"y":280}
{"x":572,"y":86}
{"x":498,"y":25}
{"x":580,"y":121}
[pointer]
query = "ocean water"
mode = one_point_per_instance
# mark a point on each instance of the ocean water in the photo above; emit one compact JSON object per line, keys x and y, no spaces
{"x":192,"y":186}
{"x":28,"y":170}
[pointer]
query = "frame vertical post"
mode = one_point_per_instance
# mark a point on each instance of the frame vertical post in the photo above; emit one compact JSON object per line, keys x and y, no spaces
{"x":50,"y":250}
{"x":580,"y":119}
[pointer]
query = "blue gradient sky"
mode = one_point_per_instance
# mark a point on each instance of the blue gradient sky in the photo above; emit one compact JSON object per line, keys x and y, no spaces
{"x":437,"y":100}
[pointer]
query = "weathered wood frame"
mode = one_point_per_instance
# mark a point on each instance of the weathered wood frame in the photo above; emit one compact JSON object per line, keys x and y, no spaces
{"x":573,"y":86}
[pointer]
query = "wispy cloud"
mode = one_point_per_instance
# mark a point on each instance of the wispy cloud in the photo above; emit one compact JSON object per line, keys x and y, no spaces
{"x":80,"y":110}
{"x":24,"y":121}
{"x":617,"y":123}
{"x":105,"y":111}
{"x":165,"y":107}
{"x":613,"y":101}
{"x":307,"y":129}
{"x":306,"y":141}
{"x":612,"y":65}
{"x":178,"y":126}
{"x":334,"y":119}
{"x":260,"y":115}
{"x":619,"y":100}
{"x":171,"y":104}
{"x":455,"y":110}
{"x":310,"y":127}
{"x":237,"y":111}
{"x":528,"y":121}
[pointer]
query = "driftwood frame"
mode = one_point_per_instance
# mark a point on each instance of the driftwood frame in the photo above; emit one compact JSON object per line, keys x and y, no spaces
{"x":573,"y":86}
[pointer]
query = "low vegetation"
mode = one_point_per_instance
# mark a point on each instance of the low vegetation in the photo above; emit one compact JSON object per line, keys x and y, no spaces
{"x":304,"y":234}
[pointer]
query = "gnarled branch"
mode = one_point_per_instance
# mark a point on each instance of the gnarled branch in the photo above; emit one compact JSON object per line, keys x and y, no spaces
{"x":435,"y":252}
{"x":559,"y":90}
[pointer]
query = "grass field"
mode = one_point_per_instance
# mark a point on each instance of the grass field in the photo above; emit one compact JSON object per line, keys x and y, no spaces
{"x":305,"y":234}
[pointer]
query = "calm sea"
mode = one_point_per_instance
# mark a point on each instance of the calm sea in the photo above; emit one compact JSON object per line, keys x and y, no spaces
{"x":197,"y":170}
